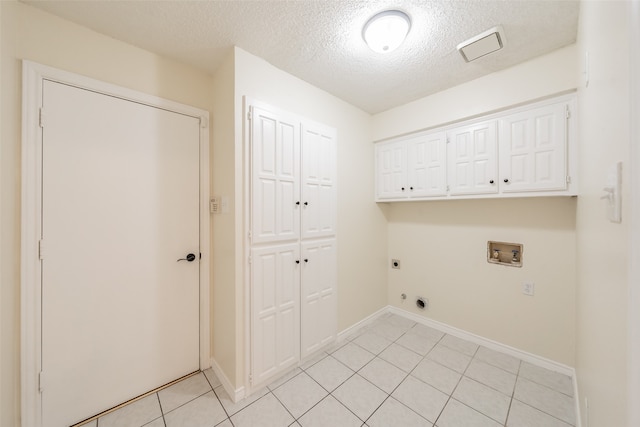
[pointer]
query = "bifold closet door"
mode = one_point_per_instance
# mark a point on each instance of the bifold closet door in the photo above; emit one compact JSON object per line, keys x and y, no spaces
{"x":275,"y":310}
{"x":318,"y":295}
{"x":275,"y":180}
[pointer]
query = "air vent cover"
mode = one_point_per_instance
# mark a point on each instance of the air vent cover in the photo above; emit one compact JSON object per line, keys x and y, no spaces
{"x":482,"y":44}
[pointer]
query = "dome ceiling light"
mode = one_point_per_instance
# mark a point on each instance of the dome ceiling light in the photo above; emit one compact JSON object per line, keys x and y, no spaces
{"x":386,"y":31}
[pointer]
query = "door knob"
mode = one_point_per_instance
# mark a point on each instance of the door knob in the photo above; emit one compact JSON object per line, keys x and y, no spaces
{"x":189,"y":258}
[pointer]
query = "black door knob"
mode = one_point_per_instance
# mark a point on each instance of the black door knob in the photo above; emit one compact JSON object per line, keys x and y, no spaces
{"x":506,"y":180}
{"x":491,"y":182}
{"x":189,"y":258}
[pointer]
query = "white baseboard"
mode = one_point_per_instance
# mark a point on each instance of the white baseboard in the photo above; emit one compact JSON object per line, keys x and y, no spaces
{"x":485,"y":342}
{"x":234,"y":394}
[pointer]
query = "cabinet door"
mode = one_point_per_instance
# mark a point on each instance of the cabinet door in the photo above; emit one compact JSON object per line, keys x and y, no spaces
{"x":472,"y":159}
{"x":533,"y":147}
{"x":275,"y":310}
{"x":318,"y":199}
{"x":391,"y":159}
{"x":427,"y":165}
{"x":275,"y":177}
{"x":318,"y":295}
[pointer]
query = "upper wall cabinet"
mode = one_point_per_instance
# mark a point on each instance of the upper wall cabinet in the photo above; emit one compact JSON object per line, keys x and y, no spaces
{"x":413,"y":167}
{"x":522,"y":152}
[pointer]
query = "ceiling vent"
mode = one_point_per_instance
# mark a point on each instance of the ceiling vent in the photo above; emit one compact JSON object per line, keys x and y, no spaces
{"x":482,"y":44}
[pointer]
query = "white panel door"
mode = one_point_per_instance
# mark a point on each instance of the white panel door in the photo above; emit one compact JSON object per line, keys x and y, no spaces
{"x":275,"y":167}
{"x":427,"y":165}
{"x":120,"y":315}
{"x":318,"y":171}
{"x":318,"y":295}
{"x":533,"y":150}
{"x":275,"y":310}
{"x":472,"y":154}
{"x":391,"y":158}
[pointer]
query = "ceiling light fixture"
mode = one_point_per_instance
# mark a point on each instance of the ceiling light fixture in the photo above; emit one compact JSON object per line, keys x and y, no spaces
{"x":386,"y":31}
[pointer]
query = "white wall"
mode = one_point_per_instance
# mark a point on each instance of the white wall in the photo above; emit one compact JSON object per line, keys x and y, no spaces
{"x":442,"y":245}
{"x":361,"y":224}
{"x":28,"y":33}
{"x":603,"y":246}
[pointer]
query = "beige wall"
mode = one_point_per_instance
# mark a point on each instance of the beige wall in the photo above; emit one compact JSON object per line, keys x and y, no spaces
{"x":362,"y":287}
{"x":442,"y":245}
{"x":603,"y":246}
{"x":28,"y":33}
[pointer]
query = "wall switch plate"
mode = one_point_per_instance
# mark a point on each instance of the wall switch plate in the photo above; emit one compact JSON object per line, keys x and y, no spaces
{"x":528,"y":288}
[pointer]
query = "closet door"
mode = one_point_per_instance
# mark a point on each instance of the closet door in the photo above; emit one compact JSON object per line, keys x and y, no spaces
{"x":275,"y":310}
{"x":318,"y":295}
{"x":472,"y":153}
{"x":318,"y":200}
{"x":427,"y":165}
{"x":275,"y":180}
{"x":533,"y":150}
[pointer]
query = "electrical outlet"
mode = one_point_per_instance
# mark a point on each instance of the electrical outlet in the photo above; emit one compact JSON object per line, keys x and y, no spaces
{"x":395,"y":263}
{"x":528,"y":288}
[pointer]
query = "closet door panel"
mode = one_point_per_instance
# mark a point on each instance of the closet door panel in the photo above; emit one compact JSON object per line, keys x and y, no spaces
{"x":275,"y":310}
{"x":427,"y":170}
{"x":318,"y":181}
{"x":534,"y":149}
{"x":391,"y":170}
{"x":472,"y":153}
{"x":275,"y":167}
{"x":318,"y":295}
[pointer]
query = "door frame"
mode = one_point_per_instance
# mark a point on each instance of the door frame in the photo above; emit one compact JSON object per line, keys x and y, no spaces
{"x":33,"y":76}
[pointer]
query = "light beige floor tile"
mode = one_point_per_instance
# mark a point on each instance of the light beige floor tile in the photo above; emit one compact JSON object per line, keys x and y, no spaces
{"x":491,"y":376}
{"x":437,"y":375}
{"x":360,"y":396}
{"x":371,"y":342}
{"x":459,"y":345}
{"x":300,"y":394}
{"x":427,"y":332}
{"x":158,"y":422}
{"x":134,"y":414}
{"x":232,"y":407}
{"x":203,"y":411}
{"x":212,"y":377}
{"x":450,"y":358}
{"x":401,"y":357}
{"x":522,"y":415}
{"x":284,"y":378}
{"x":417,"y":343}
{"x":554,"y":380}
{"x":183,"y":392}
{"x":422,"y":398}
{"x":457,"y":414}
{"x":483,"y":399}
{"x":265,"y":412}
{"x":329,"y":373}
{"x":394,"y":413}
{"x":546,"y":400}
{"x":500,"y":360}
{"x":329,"y":412}
{"x":353,"y":356}
{"x":383,"y":374}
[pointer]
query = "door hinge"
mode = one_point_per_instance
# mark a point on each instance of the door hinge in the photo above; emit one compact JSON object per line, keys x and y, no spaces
{"x":204,"y":123}
{"x":568,"y":179}
{"x":250,"y":259}
{"x":40,"y":382}
{"x":447,"y":188}
{"x":41,"y":117}
{"x":249,"y":116}
{"x":41,"y":249}
{"x":448,"y":140}
{"x":567,"y":112}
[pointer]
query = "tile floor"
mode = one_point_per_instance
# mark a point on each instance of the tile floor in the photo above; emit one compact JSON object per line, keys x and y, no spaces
{"x":393,"y":373}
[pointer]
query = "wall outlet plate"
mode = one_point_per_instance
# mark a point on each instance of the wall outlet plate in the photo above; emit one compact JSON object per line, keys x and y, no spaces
{"x":528,"y":288}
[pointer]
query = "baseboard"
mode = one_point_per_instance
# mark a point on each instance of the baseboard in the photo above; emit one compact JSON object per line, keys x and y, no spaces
{"x":343,"y":335}
{"x":485,"y":342}
{"x":234,"y":394}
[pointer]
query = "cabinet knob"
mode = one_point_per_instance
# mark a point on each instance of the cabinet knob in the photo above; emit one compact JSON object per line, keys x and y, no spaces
{"x":491,"y":182}
{"x":402,"y":188}
{"x":298,"y":203}
{"x":411,"y":188}
{"x":506,"y":180}
{"x":297,"y":261}
{"x":306,"y":260}
{"x":306,"y":203}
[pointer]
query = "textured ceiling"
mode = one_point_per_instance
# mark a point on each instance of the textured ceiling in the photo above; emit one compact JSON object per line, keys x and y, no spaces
{"x":320,"y":41}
